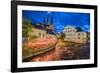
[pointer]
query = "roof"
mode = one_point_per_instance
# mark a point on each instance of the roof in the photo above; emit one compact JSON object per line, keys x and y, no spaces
{"x":39,"y":26}
{"x":43,"y":27}
{"x":79,"y":29}
{"x":50,"y":32}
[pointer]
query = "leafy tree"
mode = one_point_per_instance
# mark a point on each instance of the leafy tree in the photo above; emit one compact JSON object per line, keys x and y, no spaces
{"x":62,"y":36}
{"x":26,"y":27}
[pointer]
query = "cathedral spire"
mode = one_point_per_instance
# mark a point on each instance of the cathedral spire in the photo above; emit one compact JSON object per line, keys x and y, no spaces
{"x":44,"y":20}
{"x":51,"y":19}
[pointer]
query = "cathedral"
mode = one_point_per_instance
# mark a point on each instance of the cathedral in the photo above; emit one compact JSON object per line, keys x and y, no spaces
{"x":47,"y":24}
{"x":44,"y":28}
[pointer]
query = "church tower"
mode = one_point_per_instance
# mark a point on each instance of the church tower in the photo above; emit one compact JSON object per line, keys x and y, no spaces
{"x":48,"y":22}
{"x":51,"y":23}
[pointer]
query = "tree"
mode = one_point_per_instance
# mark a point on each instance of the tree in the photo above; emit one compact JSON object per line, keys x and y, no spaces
{"x":62,"y":36}
{"x":26,"y":27}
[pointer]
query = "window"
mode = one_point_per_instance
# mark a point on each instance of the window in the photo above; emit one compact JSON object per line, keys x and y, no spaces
{"x":68,"y":28}
{"x":43,"y":34}
{"x":39,"y":34}
{"x":78,"y":37}
{"x":78,"y":34}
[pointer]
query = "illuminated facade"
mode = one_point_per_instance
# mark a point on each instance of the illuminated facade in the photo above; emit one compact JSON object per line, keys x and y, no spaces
{"x":37,"y":33}
{"x":73,"y":34}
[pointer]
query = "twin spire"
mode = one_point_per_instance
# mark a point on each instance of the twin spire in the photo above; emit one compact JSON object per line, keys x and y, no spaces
{"x":48,"y":20}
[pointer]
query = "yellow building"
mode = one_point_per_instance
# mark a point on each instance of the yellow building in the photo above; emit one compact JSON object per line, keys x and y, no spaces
{"x":75,"y":34}
{"x":37,"y":33}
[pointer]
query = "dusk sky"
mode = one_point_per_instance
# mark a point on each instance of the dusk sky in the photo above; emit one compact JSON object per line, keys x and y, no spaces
{"x":60,"y":19}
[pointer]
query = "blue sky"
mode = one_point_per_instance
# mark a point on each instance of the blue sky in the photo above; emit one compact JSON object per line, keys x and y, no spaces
{"x":60,"y":19}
